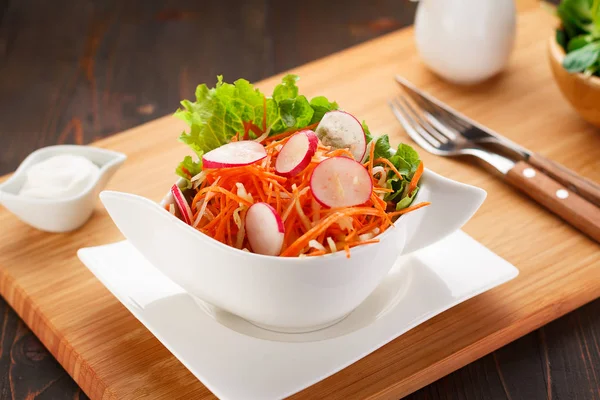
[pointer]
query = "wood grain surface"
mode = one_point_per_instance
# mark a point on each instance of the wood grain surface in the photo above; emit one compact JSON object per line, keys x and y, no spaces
{"x":558,"y":361}
{"x":566,"y":204}
{"x":584,"y":187}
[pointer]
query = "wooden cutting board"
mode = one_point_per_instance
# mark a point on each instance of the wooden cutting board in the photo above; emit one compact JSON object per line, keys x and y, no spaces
{"x":111,"y":355}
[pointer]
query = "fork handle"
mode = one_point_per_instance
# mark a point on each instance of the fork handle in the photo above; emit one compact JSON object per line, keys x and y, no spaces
{"x":583,"y":187}
{"x":557,"y":198}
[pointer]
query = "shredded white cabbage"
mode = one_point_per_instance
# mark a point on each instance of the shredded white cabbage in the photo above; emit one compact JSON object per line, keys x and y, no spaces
{"x":316,"y":245}
{"x":205,"y":203}
{"x":369,"y":235}
{"x":303,"y":217}
{"x":331,"y":244}
{"x":345,"y":222}
{"x":199,"y":177}
{"x":382,"y":174}
{"x":366,"y":236}
{"x":238,"y":220}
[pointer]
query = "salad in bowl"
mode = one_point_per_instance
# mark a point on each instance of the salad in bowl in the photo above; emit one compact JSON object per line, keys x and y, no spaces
{"x":289,"y":212}
{"x":285,"y":176}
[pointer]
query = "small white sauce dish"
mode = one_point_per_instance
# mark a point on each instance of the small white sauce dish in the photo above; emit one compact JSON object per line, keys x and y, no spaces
{"x":287,"y":294}
{"x":64,"y":214}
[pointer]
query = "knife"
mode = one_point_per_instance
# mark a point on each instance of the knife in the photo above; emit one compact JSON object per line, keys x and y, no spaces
{"x":488,"y":138}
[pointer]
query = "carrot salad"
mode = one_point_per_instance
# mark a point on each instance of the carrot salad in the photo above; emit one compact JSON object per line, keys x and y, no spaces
{"x":325,"y":186}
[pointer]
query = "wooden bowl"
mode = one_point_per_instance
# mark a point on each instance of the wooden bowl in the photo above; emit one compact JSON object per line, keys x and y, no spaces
{"x":581,"y":91}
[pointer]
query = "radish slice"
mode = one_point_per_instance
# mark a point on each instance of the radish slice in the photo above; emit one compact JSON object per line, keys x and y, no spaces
{"x":341,"y":182}
{"x":341,"y":130}
{"x":296,"y":153}
{"x":182,"y":204}
{"x":264,"y":229}
{"x":234,"y":154}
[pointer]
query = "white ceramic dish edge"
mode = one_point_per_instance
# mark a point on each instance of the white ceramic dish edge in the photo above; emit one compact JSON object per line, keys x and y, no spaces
{"x":287,"y":293}
{"x":60,"y":215}
{"x":461,"y":265}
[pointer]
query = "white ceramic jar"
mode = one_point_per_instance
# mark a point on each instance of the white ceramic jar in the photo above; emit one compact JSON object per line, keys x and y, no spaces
{"x":465,"y":41}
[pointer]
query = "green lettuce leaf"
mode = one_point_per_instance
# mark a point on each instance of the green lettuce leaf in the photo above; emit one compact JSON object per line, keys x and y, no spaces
{"x":407,"y":200}
{"x":578,"y":42}
{"x":321,"y":106}
{"x":293,"y":113}
{"x":287,"y":89}
{"x":561,"y":38}
{"x":382,"y":147}
{"x":219,"y":113}
{"x":368,"y":135}
{"x":187,"y":169}
{"x":577,"y":16}
{"x":398,"y":186}
{"x":406,"y":160}
{"x":294,"y":110}
{"x":582,"y":58}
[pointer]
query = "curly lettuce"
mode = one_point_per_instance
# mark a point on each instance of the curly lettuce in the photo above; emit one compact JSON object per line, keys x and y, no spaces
{"x":238,"y":108}
{"x":229,"y":109}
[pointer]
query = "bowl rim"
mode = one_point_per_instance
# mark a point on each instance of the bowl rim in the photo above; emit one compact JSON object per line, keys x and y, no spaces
{"x":558,"y":54}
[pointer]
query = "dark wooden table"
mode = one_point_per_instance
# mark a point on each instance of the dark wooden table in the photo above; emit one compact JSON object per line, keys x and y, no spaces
{"x":76,"y":71}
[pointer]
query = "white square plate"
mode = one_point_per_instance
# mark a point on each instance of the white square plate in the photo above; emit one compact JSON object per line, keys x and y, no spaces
{"x":205,"y":339}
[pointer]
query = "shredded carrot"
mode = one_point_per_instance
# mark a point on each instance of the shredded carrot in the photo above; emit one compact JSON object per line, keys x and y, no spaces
{"x":220,"y":201}
{"x":409,"y":209}
{"x":290,"y":132}
{"x":367,"y":228}
{"x":227,"y":193}
{"x":360,"y":242}
{"x":339,"y":152}
{"x":389,"y":164}
{"x":380,"y":205}
{"x":278,"y":201}
{"x":302,"y":241}
{"x":415,"y":179}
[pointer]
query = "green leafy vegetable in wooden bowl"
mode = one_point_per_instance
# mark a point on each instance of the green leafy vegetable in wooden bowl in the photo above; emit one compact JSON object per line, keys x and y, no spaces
{"x":579,"y":35}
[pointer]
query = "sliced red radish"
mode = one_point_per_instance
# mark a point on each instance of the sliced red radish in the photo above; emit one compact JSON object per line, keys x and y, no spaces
{"x":341,"y":182}
{"x":341,"y":130}
{"x":234,"y":154}
{"x":296,"y":153}
{"x":264,"y":229}
{"x":182,"y":204}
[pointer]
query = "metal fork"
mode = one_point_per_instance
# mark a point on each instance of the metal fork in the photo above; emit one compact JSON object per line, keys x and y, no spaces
{"x":442,"y":141}
{"x":448,"y":120}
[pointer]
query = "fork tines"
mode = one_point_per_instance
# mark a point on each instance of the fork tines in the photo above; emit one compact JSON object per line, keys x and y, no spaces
{"x":423,"y":127}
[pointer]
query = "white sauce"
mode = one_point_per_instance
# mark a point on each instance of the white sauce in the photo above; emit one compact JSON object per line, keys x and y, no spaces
{"x":59,"y":177}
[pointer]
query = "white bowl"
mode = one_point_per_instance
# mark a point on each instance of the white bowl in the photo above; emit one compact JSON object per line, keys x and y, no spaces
{"x":59,"y":215}
{"x":287,"y":294}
